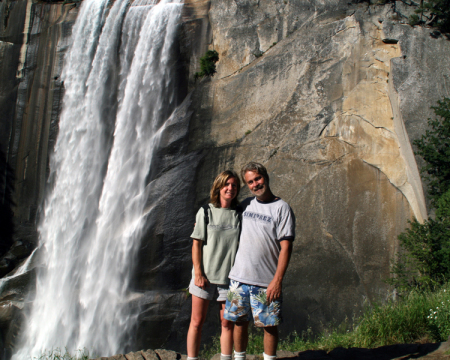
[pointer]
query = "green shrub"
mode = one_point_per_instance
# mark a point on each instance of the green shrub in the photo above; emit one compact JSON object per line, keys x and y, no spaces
{"x":258,"y":53}
{"x":207,"y":64}
{"x":414,"y":20}
{"x":434,"y":148}
{"x":425,"y":260}
{"x":439,"y":319}
{"x":437,"y":13}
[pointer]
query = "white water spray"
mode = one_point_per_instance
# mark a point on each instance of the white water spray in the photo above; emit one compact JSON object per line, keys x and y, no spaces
{"x":92,"y":220}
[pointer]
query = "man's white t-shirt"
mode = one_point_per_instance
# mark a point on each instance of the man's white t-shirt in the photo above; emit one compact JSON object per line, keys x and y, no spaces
{"x":264,"y":225}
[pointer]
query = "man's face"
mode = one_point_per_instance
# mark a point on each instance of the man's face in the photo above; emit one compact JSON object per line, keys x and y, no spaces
{"x":256,"y":183}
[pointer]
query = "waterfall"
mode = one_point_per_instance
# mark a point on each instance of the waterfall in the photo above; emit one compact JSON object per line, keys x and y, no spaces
{"x":119,"y":91}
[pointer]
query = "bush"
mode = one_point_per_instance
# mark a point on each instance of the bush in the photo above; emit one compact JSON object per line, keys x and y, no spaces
{"x":439,"y":320}
{"x":414,"y":20}
{"x":437,"y":12}
{"x":207,"y":64}
{"x":425,"y":262}
{"x":434,"y":148}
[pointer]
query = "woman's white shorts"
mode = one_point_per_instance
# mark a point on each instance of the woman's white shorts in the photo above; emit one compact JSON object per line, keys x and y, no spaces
{"x":209,"y":292}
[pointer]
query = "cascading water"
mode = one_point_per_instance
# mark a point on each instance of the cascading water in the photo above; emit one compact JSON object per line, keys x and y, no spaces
{"x":108,"y":130}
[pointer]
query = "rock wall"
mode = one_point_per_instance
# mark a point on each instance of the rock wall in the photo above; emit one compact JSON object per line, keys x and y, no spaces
{"x":33,"y":39}
{"x":30,"y":131}
{"x":327,"y":94}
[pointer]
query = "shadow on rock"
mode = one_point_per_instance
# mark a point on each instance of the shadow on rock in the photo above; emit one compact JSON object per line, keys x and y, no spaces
{"x":403,"y":351}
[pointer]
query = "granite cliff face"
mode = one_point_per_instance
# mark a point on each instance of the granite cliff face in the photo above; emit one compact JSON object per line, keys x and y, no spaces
{"x":327,"y":94}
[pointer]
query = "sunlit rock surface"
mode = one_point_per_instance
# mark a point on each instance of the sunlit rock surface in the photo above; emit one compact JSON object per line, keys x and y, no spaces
{"x":327,"y":94}
{"x":322,"y":93}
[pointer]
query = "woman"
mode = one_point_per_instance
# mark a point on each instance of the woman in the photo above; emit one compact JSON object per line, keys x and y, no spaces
{"x":215,"y":242}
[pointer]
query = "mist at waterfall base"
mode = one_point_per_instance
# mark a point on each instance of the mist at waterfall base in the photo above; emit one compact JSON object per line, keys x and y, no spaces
{"x":119,"y":91}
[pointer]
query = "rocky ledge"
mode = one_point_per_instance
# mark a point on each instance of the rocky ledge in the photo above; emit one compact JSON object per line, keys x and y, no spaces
{"x":391,"y":352}
{"x":158,"y":354}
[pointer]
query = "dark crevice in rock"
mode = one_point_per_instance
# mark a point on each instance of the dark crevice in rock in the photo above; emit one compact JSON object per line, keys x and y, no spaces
{"x":6,"y":213}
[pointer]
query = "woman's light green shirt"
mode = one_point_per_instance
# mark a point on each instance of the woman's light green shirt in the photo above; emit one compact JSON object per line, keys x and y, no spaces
{"x":220,"y":242}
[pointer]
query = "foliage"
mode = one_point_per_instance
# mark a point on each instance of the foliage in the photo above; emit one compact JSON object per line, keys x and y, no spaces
{"x":414,"y":20}
{"x":58,"y":354}
{"x":210,"y":350}
{"x":432,"y":12}
{"x":208,"y":64}
{"x":402,"y":321}
{"x":424,"y":261}
{"x":437,"y":13}
{"x":439,"y":320}
{"x":434,"y":148}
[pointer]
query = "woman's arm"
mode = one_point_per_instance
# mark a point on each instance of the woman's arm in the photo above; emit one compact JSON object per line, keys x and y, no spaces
{"x":200,"y":280}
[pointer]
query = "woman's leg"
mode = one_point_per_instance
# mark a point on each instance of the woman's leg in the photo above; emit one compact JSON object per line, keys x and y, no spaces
{"x":198,"y":316}
{"x":226,"y":337}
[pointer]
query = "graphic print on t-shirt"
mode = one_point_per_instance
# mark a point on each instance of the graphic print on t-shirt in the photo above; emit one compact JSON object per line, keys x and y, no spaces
{"x":257,"y":217}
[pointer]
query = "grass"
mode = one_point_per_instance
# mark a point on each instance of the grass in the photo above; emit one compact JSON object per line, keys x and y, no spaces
{"x":415,"y":317}
{"x":58,"y":354}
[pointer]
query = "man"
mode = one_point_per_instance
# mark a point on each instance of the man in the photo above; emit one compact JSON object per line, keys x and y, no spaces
{"x":268,"y":230}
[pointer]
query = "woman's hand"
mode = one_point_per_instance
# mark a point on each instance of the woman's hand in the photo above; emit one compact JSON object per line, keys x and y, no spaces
{"x":201,"y":281}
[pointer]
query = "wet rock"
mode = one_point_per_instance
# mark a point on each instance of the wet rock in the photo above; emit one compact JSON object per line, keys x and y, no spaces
{"x":17,"y":287}
{"x":20,"y":250}
{"x":6,"y":265}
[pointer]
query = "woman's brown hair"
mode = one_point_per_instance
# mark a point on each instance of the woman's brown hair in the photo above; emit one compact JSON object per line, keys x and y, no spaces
{"x":219,"y":183}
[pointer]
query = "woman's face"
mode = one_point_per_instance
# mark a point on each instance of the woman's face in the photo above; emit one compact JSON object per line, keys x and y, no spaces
{"x":229,"y":191}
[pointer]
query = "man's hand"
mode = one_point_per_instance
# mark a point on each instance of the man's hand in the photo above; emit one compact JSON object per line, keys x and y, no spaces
{"x":201,"y":281}
{"x":273,"y":291}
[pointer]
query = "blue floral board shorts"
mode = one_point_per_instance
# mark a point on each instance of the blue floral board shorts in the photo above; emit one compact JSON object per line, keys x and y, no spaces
{"x":245,"y":301}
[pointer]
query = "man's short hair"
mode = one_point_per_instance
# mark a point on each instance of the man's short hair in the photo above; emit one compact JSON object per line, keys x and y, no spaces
{"x":255,"y":167}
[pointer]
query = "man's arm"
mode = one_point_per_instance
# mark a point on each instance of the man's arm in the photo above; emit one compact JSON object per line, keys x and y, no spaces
{"x":200,"y":280}
{"x":274,"y":288}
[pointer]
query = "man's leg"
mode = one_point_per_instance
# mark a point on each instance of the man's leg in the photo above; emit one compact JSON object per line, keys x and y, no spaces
{"x":270,"y":340}
{"x":241,"y":336}
{"x":238,"y":310}
{"x":226,"y":336}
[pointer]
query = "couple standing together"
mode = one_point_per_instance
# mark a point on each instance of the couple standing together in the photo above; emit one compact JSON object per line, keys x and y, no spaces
{"x":240,"y":254}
